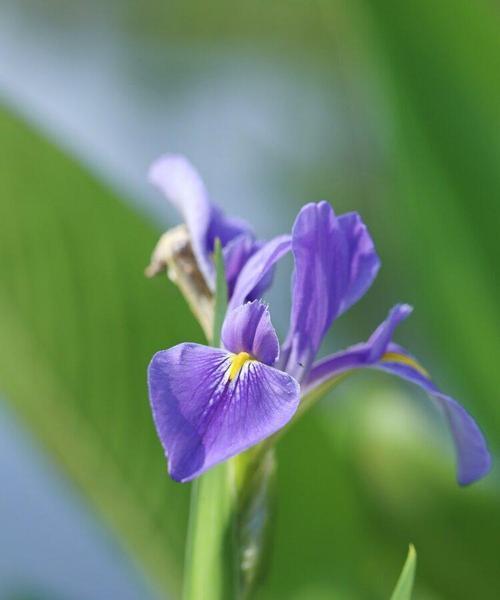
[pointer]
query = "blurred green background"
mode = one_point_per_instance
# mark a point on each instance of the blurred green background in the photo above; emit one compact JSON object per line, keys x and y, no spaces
{"x":389,"y":108}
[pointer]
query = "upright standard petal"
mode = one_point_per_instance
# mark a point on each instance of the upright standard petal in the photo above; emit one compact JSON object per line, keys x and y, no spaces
{"x":379,"y":352}
{"x":205,"y":412}
{"x":226,"y":228}
{"x":236,"y":253}
{"x":335,"y":263}
{"x":258,"y":269}
{"x":320,"y":277}
{"x":363,"y":261}
{"x":180,"y":182}
{"x":248,"y":329}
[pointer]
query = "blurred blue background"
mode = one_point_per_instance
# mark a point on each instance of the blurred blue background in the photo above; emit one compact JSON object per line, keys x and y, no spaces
{"x":390,"y":109}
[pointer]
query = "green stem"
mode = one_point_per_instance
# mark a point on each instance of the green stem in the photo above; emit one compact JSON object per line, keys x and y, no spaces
{"x":210,"y":557}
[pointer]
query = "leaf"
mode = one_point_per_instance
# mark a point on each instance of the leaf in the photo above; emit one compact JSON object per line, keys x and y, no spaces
{"x":79,"y":325}
{"x":210,"y":570}
{"x":438,"y":76}
{"x":441,"y":84}
{"x":220,"y":293}
{"x":404,"y":585}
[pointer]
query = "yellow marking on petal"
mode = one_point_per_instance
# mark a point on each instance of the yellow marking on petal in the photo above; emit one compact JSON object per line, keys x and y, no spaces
{"x":405,"y":360}
{"x":237,"y":362}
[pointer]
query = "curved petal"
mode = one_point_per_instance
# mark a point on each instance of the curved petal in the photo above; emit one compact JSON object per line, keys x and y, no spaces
{"x":335,"y":263}
{"x":363,"y":260}
{"x":226,"y":228}
{"x":380,"y":339}
{"x":360,"y":355}
{"x":236,"y":253}
{"x":248,"y":328}
{"x":203,"y":417}
{"x":380,"y":353}
{"x":257,"y":269}
{"x":473,"y":458}
{"x":174,"y":175}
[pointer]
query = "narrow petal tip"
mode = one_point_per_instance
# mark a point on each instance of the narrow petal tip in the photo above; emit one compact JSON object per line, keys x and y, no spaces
{"x":482,"y":469}
{"x":404,"y":310}
{"x":473,"y":456}
{"x":166,"y":165}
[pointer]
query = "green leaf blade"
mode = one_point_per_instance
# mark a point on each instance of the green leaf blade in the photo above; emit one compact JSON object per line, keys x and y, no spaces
{"x":79,"y":325}
{"x":220,"y":293}
{"x":404,"y":586}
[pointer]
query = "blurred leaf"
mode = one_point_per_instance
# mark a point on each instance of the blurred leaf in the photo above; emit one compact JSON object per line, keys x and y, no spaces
{"x":361,"y":473}
{"x":79,"y":325}
{"x":220,"y":294}
{"x":439,"y":67}
{"x":404,"y":585}
{"x":348,"y":496}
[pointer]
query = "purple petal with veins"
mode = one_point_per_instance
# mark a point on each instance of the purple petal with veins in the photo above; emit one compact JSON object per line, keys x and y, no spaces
{"x":335,"y":263}
{"x":210,"y":404}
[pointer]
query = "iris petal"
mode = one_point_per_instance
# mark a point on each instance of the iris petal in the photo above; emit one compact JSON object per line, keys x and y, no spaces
{"x":335,"y":263}
{"x":379,"y":352}
{"x":473,"y":458}
{"x":236,"y":253}
{"x":363,"y":260}
{"x":361,"y":354}
{"x":248,"y":328}
{"x":202,"y":417}
{"x":182,"y":185}
{"x":257,"y":270}
{"x":179,"y":181}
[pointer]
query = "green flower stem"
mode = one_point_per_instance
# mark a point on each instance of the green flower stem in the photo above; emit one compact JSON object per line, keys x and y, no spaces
{"x":210,"y":570}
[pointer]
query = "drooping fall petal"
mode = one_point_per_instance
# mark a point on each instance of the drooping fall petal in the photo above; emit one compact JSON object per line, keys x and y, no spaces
{"x":205,"y":413}
{"x":473,"y":457}
{"x":379,"y":352}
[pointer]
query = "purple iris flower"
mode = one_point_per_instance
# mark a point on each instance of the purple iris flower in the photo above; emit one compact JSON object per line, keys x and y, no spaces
{"x":174,"y":175}
{"x":210,"y":404}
